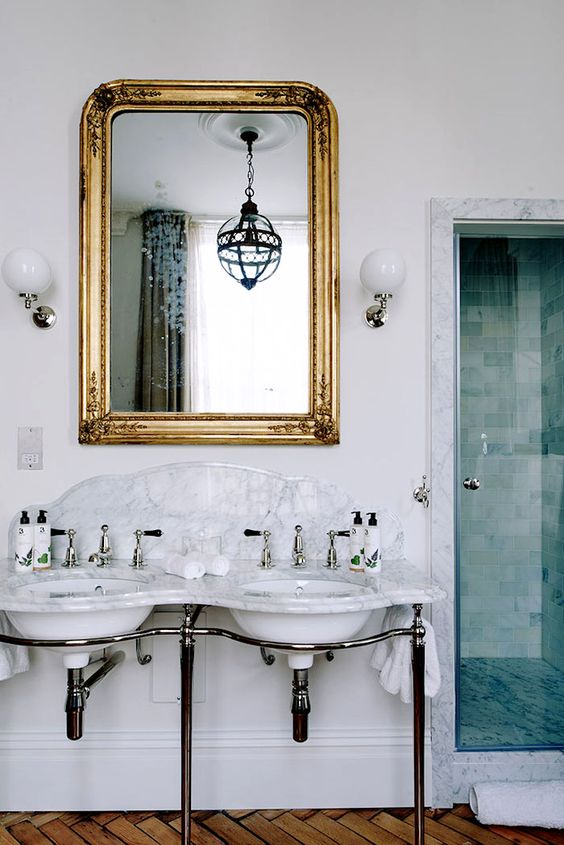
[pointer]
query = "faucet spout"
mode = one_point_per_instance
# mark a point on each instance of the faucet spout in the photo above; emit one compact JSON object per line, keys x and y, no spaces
{"x":298,"y":554}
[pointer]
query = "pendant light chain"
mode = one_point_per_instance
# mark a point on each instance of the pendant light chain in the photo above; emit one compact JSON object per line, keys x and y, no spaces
{"x":250,"y":192}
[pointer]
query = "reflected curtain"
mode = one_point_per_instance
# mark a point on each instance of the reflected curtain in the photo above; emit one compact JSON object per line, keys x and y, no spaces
{"x":161,"y":365}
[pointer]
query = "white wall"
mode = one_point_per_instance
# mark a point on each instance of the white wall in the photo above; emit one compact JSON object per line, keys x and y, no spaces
{"x":435,"y":98}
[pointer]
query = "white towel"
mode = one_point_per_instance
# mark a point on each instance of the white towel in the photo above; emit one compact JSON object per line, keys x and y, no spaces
{"x":195,"y":564}
{"x":184,"y":567}
{"x":13,"y":658}
{"x":217,"y":565}
{"x":392,"y":658}
{"x":521,"y":803}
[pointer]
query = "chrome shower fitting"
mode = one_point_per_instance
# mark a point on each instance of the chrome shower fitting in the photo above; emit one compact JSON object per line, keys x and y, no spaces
{"x":266,"y":557}
{"x":421,"y":494}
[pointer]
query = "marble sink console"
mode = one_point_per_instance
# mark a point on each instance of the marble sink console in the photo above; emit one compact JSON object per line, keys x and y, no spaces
{"x":312,"y":605}
{"x":246,"y":587}
{"x":192,"y":501}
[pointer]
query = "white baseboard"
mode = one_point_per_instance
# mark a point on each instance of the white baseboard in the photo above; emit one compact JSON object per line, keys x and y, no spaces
{"x":140,"y":770}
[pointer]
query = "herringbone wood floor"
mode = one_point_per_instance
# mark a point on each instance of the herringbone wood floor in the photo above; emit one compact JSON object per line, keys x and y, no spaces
{"x":275,"y":827}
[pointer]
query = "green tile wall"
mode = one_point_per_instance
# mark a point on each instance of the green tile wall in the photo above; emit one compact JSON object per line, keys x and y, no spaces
{"x":501,"y":443}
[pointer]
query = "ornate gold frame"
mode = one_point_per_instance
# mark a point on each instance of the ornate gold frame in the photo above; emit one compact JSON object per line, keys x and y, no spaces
{"x":97,"y":423}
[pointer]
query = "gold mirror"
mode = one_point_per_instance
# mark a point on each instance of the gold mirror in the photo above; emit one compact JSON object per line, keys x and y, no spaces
{"x":209,"y":264}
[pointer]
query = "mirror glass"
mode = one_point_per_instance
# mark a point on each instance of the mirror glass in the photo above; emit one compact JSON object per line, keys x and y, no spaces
{"x":173,"y":347}
{"x":186,"y":336}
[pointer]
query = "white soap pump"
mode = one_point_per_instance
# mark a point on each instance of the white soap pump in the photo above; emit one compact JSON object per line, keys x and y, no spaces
{"x":356,"y":562}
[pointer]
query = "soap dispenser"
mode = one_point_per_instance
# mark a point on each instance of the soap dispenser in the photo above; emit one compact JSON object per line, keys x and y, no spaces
{"x":41,"y":543}
{"x":372,"y":546}
{"x":356,"y":563}
{"x":23,"y":559}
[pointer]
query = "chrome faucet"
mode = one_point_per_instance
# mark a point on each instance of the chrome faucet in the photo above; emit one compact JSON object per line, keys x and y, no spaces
{"x":70,"y":554}
{"x":137,"y":560}
{"x":103,"y":556}
{"x":298,"y":555}
{"x":265,"y":557}
{"x":332,"y":551}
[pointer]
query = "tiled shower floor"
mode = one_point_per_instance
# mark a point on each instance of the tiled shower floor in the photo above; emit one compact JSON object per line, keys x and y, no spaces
{"x":510,"y":702}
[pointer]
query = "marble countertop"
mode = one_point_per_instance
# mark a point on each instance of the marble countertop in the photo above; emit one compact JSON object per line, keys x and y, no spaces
{"x":313,"y":589}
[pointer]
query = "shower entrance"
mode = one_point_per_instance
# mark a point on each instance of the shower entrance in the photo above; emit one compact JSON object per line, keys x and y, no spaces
{"x":509,"y":483}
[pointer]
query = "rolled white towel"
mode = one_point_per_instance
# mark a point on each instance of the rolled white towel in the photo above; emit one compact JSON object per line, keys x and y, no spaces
{"x":217,"y":565}
{"x":213,"y":564}
{"x":521,"y":803}
{"x":13,"y":658}
{"x":392,"y":658}
{"x":185,"y":567}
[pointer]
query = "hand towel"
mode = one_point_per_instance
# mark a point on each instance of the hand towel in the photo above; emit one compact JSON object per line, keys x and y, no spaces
{"x":13,"y":658}
{"x":184,"y":566}
{"x":521,"y":803}
{"x":392,"y":658}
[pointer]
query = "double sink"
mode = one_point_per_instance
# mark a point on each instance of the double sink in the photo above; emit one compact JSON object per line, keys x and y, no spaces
{"x":314,"y":605}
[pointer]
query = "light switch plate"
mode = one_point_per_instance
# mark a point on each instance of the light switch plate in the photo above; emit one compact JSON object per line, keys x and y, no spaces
{"x":30,"y":447}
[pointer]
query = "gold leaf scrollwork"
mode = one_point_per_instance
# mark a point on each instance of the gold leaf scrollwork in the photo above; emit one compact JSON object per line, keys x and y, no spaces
{"x":313,"y":100}
{"x":106,"y":96}
{"x":323,"y":425}
{"x":97,"y":427}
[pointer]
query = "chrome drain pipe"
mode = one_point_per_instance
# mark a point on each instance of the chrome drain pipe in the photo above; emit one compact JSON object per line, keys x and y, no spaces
{"x":301,"y":706}
{"x":78,"y":690}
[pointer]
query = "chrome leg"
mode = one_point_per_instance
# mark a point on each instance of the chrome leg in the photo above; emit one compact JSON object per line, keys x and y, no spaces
{"x":418,"y":673}
{"x":186,"y":675}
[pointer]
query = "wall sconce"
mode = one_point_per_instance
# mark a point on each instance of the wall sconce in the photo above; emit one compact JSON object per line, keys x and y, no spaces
{"x":382,"y":273}
{"x":27,"y":273}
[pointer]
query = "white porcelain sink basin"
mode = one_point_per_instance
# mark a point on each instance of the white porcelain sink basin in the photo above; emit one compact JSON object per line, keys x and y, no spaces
{"x":72,"y":587}
{"x":76,"y":607}
{"x":303,"y":610}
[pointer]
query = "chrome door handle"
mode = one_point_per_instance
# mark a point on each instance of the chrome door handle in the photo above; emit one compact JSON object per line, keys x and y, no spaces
{"x":471,"y":483}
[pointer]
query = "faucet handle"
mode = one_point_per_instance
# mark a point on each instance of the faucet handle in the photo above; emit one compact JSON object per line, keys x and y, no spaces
{"x":265,"y":557}
{"x":70,"y":554}
{"x":137,"y":560}
{"x":332,"y":551}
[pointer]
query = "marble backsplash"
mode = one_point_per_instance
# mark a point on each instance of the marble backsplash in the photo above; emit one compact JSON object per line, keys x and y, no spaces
{"x":194,"y":500}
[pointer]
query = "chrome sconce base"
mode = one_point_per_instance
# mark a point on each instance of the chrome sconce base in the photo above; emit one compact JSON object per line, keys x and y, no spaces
{"x":377,"y":314}
{"x":43,"y":317}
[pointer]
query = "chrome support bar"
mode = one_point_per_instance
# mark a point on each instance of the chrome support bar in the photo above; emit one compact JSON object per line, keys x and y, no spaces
{"x":418,"y":673}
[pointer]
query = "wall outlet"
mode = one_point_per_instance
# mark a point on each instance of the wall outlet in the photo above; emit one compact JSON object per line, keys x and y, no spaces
{"x":30,"y":447}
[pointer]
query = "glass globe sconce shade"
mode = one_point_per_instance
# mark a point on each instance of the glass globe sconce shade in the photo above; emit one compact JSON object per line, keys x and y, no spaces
{"x":382,"y":273}
{"x":27,"y":273}
{"x":248,"y":246}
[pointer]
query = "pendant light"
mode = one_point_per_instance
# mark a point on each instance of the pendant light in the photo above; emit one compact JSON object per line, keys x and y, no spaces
{"x":248,"y":245}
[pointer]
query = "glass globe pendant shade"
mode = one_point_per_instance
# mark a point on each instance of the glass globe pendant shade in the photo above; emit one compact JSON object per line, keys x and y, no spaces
{"x":382,"y":271}
{"x":26,"y":272}
{"x":249,"y":247}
